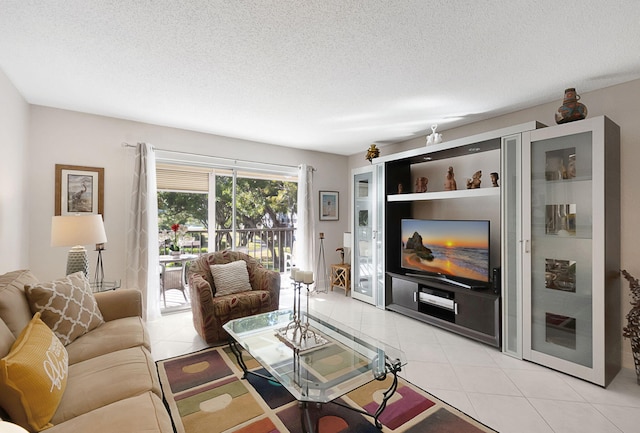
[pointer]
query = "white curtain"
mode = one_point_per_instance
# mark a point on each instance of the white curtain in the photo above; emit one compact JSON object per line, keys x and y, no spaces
{"x":142,"y":237}
{"x":305,"y":232}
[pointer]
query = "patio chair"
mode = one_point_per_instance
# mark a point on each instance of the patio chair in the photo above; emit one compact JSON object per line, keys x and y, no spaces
{"x":172,"y":278}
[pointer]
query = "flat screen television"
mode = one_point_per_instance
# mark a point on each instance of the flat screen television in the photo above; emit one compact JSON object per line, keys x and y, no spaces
{"x":456,"y":251}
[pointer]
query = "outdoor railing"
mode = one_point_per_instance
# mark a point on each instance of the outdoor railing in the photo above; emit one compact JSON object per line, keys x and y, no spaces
{"x":272,"y":246}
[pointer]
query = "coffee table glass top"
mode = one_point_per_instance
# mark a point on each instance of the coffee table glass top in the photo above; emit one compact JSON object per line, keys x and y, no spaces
{"x":347,"y":361}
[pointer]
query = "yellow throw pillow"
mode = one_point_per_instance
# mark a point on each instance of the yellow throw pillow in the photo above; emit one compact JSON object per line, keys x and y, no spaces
{"x":33,"y":376}
{"x":67,"y":306}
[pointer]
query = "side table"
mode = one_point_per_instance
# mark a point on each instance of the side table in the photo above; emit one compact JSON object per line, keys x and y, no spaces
{"x":104,"y":286}
{"x":341,"y":277}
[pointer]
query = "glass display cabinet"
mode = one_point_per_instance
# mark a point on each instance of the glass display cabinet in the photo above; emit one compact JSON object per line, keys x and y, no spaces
{"x":571,"y":241}
{"x":367,"y":269}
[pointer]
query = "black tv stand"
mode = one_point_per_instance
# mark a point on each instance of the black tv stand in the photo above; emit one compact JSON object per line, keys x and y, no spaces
{"x":435,"y":300}
{"x":444,"y":279}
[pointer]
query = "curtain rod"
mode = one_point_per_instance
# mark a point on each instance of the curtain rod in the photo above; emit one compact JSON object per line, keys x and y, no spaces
{"x":125,"y":144}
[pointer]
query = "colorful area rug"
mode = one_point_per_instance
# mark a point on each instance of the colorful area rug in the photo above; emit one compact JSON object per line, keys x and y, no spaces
{"x":205,"y":392}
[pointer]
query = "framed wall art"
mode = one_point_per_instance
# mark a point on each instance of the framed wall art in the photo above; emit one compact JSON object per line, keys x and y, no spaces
{"x":79,"y":190}
{"x":329,"y":205}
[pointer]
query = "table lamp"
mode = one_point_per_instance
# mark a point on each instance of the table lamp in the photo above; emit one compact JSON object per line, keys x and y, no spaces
{"x":76,"y":231}
{"x":346,"y":242}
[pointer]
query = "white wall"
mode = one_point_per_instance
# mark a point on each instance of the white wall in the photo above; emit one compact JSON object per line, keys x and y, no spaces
{"x":14,"y":198}
{"x":66,"y":137}
{"x":620,"y":104}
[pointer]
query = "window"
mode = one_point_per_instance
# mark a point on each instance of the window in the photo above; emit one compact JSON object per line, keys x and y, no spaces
{"x":243,"y":209}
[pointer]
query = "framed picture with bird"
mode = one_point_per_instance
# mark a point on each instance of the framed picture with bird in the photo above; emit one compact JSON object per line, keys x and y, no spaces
{"x":79,"y":190}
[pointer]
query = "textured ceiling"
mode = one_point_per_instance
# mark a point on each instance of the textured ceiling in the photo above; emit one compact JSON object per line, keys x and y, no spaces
{"x":330,"y":75}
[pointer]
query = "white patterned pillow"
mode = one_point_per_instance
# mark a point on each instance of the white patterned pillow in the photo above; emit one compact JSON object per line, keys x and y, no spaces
{"x":66,"y":305}
{"x":230,"y":278}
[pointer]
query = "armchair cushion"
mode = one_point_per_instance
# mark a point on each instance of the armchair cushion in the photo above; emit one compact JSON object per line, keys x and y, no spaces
{"x":230,"y":278}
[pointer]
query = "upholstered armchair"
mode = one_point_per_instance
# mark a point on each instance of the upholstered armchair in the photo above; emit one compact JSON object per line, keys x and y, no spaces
{"x":212,"y":308}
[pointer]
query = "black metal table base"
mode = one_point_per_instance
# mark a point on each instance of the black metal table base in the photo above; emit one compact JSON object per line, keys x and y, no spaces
{"x":311,"y":426}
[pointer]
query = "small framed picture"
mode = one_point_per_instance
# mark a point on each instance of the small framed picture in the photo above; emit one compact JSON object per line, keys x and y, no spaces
{"x":79,"y":190}
{"x":329,"y":205}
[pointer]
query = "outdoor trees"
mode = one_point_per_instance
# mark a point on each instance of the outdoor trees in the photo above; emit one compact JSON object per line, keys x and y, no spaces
{"x":260,"y":204}
{"x":182,"y":208}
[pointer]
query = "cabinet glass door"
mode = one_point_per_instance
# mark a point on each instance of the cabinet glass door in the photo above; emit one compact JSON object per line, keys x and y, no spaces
{"x":511,"y":277}
{"x":559,"y":292}
{"x":366,"y":245}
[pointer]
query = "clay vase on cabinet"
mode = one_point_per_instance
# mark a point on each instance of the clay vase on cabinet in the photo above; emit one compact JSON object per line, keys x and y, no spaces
{"x":571,"y":109}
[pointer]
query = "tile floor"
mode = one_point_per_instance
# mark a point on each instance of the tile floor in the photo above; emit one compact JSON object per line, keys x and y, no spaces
{"x":509,"y":395}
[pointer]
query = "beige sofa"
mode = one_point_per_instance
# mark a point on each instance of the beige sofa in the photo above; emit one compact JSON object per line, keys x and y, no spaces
{"x":112,"y":383}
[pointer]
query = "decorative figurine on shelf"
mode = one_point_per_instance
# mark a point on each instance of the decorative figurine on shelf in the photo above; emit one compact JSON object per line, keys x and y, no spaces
{"x":421,"y":184}
{"x":562,"y":170}
{"x":571,"y":109}
{"x":494,"y":178}
{"x":372,"y":152}
{"x":400,"y":188}
{"x":571,"y":168}
{"x":474,"y":182}
{"x":450,"y":181}
{"x":434,"y":137}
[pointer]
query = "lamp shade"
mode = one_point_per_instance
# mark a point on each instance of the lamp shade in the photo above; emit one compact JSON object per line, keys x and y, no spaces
{"x":71,"y":230}
{"x":346,"y":239}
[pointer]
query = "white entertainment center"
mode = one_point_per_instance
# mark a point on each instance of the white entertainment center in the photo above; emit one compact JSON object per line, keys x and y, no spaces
{"x":552,"y":295}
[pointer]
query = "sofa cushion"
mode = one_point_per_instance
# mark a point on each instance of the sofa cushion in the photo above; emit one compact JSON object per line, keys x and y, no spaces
{"x":106,"y":379}
{"x":111,"y":336}
{"x":116,"y":304}
{"x":33,"y":377}
{"x":14,"y":308}
{"x":230,"y":278}
{"x":143,"y":413}
{"x":67,"y":306}
{"x":6,"y":339}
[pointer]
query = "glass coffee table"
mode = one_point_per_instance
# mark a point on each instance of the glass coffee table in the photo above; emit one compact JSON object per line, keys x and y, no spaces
{"x":337,"y":362}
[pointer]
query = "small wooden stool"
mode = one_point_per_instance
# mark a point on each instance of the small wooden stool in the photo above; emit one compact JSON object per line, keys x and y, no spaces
{"x":341,"y":277}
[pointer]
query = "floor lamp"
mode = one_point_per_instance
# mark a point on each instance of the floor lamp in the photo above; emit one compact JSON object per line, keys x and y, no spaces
{"x":76,"y":231}
{"x":321,"y":270}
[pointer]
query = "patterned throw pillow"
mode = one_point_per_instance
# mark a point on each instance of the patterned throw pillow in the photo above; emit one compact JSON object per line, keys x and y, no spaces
{"x":33,"y":376}
{"x":230,"y":278}
{"x":67,"y":306}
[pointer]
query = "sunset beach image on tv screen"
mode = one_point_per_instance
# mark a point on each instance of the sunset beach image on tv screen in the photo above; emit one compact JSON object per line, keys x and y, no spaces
{"x":454,"y":248}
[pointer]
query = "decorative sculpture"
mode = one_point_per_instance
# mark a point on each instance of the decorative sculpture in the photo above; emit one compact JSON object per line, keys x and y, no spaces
{"x":571,"y":168}
{"x":494,"y":178}
{"x":372,"y":152}
{"x":474,"y":182}
{"x":434,"y":137}
{"x":298,"y":335}
{"x":450,"y":181}
{"x":421,"y":184}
